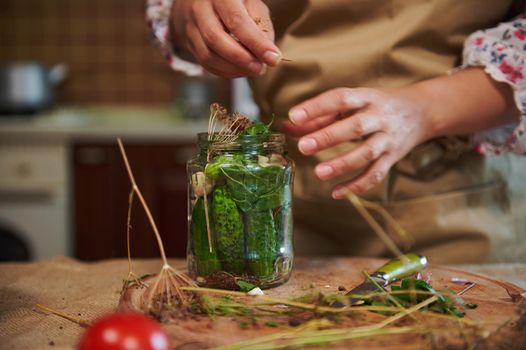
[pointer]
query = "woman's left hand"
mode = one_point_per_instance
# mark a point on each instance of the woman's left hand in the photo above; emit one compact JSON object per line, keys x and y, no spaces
{"x":389,"y":121}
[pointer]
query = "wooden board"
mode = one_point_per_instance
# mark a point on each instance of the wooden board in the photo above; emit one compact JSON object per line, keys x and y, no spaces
{"x":496,"y":314}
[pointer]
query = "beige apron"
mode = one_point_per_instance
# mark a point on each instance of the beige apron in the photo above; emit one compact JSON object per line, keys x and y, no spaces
{"x":448,"y":199}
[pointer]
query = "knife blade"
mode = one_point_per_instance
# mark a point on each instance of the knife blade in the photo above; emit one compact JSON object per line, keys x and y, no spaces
{"x":391,"y":271}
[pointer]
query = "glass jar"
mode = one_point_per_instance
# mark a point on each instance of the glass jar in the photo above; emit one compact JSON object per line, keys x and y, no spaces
{"x":240,"y":210}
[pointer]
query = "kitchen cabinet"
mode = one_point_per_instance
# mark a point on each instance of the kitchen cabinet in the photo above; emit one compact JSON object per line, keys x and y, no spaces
{"x":34,"y":198}
{"x":101,"y":191}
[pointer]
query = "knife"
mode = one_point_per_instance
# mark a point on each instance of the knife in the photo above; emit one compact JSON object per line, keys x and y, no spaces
{"x":393,"y":270}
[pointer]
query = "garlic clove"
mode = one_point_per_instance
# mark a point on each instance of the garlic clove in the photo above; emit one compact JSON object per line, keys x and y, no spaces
{"x":263,"y":161}
{"x":200,"y":184}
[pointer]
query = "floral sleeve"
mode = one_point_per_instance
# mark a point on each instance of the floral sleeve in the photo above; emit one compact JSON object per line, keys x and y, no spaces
{"x":158,"y":19}
{"x":502,"y":51}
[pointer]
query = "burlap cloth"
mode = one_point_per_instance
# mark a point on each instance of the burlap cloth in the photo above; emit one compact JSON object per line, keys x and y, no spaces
{"x":88,"y":290}
{"x":85,"y":290}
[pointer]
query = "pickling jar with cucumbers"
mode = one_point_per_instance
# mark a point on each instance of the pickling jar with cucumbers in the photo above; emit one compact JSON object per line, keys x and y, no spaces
{"x":240,"y":209}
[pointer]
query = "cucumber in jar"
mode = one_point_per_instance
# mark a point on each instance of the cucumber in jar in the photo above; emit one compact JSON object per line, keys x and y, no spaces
{"x":206,"y":261}
{"x":261,"y":242}
{"x":228,"y":227}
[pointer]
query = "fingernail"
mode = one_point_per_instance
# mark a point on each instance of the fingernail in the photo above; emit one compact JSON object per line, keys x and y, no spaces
{"x":323,"y":171}
{"x":298,"y":116}
{"x":307,"y":145}
{"x":255,"y":67}
{"x":271,"y":58}
{"x":339,"y":192}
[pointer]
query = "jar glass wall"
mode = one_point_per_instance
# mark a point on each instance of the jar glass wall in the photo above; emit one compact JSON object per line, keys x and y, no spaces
{"x":240,"y":210}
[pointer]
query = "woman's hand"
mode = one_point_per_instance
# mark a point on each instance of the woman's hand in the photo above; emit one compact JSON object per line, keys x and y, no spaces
{"x":390,"y":123}
{"x":228,"y":38}
{"x":393,"y":121}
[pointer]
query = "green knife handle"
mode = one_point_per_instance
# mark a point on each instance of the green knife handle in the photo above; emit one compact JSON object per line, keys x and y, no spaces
{"x":401,"y":267}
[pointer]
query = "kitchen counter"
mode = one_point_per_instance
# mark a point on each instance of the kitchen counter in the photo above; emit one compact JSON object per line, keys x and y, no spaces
{"x":90,"y":290}
{"x":102,"y":123}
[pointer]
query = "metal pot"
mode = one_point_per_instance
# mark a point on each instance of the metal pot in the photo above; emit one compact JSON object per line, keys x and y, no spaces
{"x":28,"y":87}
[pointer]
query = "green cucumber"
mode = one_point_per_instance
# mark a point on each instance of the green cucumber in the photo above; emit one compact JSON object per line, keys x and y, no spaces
{"x":261,"y":242}
{"x":206,"y":261}
{"x":228,"y":227}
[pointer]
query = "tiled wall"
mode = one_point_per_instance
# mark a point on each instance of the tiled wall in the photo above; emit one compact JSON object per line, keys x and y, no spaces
{"x":104,"y":42}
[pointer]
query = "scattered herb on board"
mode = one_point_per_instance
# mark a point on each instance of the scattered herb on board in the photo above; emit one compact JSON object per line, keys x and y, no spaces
{"x":411,"y":291}
{"x":321,"y":329}
{"x":272,"y":324}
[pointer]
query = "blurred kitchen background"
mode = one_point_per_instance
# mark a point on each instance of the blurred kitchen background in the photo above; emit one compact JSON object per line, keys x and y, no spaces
{"x":74,"y":75}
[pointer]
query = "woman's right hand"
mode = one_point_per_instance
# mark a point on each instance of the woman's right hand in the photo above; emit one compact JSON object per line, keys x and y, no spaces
{"x":231,"y":38}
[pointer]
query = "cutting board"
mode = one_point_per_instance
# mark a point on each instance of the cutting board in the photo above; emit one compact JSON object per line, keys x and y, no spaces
{"x":499,"y":314}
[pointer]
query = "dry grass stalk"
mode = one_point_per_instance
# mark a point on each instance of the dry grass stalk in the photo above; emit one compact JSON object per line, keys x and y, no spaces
{"x":207,"y":219}
{"x":165,"y":291}
{"x":375,"y":226}
{"x":132,"y":277}
{"x":269,"y":301}
{"x":81,"y":322}
{"x":306,"y":335}
{"x":406,"y":239}
{"x":263,"y":300}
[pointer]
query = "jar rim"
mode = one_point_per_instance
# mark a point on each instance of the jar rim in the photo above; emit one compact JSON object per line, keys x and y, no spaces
{"x":274,"y":138}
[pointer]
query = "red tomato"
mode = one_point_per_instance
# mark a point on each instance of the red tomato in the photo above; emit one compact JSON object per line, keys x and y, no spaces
{"x":124,"y":331}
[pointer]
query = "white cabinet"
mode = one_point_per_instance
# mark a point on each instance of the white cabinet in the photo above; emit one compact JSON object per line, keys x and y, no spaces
{"x":34,"y":195}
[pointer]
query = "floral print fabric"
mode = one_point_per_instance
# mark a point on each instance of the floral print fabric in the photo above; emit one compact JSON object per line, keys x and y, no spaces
{"x":158,"y":19}
{"x":502,"y":53}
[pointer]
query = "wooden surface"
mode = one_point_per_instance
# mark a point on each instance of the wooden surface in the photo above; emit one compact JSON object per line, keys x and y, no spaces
{"x":495,"y":308}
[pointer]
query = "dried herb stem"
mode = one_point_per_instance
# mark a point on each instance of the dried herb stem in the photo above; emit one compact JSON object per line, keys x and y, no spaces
{"x":79,"y":321}
{"x":262,"y":300}
{"x":166,"y":288}
{"x":214,"y":291}
{"x":128,"y":229}
{"x":207,"y":218}
{"x":395,"y":292}
{"x":322,"y":338}
{"x":407,"y":311}
{"x":376,"y":227}
{"x":136,"y":189}
{"x":406,"y":238}
{"x":297,"y":338}
{"x":132,"y":277}
{"x":471,"y":285}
